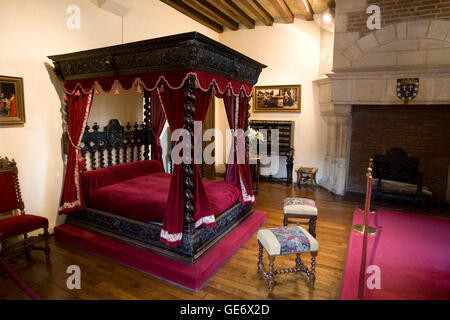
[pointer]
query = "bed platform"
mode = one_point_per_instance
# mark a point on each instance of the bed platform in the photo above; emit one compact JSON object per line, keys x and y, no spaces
{"x":198,"y":67}
{"x":146,"y":235}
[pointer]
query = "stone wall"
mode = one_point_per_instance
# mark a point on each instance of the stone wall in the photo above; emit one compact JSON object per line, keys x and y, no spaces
{"x":413,"y":42}
{"x":413,"y":33}
{"x":422,"y":131}
{"x":395,"y":11}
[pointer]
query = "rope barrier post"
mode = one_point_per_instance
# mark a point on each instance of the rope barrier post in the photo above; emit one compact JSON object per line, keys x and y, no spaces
{"x":360,"y":227}
{"x":366,"y":231}
{"x":371,"y":210}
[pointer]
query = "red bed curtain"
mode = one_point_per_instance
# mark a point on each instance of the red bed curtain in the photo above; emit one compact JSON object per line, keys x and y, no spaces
{"x":158,"y":120}
{"x":79,"y":105}
{"x":172,"y":229}
{"x":237,"y":168}
{"x":169,"y":103}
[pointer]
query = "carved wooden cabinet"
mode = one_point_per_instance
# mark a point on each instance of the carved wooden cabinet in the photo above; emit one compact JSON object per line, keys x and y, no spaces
{"x":286,"y":141}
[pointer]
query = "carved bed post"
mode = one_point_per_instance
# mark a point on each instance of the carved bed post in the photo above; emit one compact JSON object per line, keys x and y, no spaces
{"x":246,"y":126}
{"x":147,"y":120}
{"x":188,"y":168}
{"x":65,"y":122}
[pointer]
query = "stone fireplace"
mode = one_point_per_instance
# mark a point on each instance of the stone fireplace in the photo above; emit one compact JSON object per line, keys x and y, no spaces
{"x":359,"y":102}
{"x":358,"y":99}
{"x":364,"y":117}
{"x":421,"y":130}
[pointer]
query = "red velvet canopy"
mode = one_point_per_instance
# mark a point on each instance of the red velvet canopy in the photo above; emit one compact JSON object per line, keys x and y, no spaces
{"x":79,"y":98}
{"x":173,"y":79}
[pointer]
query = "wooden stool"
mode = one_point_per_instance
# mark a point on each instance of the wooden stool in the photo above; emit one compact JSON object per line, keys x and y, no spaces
{"x":283,"y":241}
{"x":305,"y":174}
{"x":301,"y":208}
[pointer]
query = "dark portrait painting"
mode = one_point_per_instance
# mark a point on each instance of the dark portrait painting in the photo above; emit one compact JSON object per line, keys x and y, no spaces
{"x":12,"y":110}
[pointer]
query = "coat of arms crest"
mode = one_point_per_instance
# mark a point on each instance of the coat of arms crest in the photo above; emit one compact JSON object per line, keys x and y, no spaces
{"x":407,"y":89}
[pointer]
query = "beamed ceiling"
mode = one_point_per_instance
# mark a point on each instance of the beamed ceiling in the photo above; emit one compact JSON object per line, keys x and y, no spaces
{"x":217,"y":14}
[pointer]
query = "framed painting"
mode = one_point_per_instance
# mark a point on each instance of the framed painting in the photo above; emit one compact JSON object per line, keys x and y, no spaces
{"x":12,"y":108}
{"x":286,"y":98}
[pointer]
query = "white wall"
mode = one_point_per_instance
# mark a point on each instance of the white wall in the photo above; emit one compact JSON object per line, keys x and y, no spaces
{"x":38,"y":29}
{"x":33,"y":30}
{"x":292,"y":54}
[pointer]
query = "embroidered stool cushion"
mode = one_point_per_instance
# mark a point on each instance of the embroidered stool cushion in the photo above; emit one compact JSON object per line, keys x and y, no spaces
{"x":301,"y":206}
{"x":287,"y":240}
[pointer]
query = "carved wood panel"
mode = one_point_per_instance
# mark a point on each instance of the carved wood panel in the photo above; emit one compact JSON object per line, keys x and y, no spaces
{"x":115,"y":144}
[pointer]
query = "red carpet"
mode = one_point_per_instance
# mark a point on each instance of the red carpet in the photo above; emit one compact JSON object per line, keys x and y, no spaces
{"x":190,"y":276}
{"x":19,"y":281}
{"x":412,"y":251}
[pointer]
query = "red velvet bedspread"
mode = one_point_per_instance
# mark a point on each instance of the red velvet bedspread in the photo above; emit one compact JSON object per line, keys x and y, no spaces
{"x":144,"y":197}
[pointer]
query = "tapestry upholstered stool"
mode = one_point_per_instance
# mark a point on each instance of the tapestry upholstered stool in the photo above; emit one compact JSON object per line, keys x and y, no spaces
{"x":301,"y":208}
{"x":305,"y":174}
{"x":283,"y":241}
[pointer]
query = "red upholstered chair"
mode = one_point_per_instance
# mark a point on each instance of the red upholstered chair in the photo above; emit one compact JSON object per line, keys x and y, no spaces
{"x":18,"y":225}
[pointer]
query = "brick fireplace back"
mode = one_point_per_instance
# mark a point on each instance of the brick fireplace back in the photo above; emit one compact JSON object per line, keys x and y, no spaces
{"x":422,"y":131}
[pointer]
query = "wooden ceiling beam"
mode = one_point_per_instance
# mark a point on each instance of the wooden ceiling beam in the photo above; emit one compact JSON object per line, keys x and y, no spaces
{"x":214,"y":13}
{"x":194,"y":14}
{"x":259,"y":11}
{"x":309,"y":12}
{"x":240,"y":15}
{"x":283,"y":9}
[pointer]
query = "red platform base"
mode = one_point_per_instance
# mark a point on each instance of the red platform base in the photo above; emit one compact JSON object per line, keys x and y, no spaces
{"x":189,"y":276}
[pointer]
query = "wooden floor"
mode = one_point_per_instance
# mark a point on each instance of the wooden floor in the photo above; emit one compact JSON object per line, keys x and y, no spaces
{"x":237,"y":279}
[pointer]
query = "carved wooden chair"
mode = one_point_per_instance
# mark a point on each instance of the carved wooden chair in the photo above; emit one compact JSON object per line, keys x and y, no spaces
{"x":21,"y":224}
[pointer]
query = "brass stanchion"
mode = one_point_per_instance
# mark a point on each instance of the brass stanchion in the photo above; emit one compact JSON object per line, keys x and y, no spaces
{"x":371,"y":210}
{"x":360,"y":227}
{"x":366,"y":231}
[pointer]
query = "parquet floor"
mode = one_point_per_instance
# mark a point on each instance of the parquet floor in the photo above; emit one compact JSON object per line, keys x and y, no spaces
{"x":237,"y":279}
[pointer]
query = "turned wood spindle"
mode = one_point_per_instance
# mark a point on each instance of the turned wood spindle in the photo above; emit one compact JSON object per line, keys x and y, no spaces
{"x":147,"y":120}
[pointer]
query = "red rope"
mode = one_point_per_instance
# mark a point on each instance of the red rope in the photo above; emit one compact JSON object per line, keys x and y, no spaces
{"x":19,"y":281}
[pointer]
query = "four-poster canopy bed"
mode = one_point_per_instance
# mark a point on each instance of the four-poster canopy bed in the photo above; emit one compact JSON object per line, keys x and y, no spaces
{"x":123,"y":194}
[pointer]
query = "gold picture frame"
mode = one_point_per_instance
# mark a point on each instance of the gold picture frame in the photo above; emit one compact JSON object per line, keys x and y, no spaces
{"x":12,"y":106}
{"x":283,"y":98}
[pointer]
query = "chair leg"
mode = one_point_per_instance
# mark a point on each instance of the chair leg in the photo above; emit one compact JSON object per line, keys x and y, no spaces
{"x":47,"y":244}
{"x":27,"y":248}
{"x":298,"y":261}
{"x":312,"y":276}
{"x":312,"y":226}
{"x":4,"y":252}
{"x":285,"y":220}
{"x":260,"y":257}
{"x":271,"y":282}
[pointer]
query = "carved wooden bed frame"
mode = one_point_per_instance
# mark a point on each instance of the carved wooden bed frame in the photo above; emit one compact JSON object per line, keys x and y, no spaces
{"x":129,"y":144}
{"x":180,"y":52}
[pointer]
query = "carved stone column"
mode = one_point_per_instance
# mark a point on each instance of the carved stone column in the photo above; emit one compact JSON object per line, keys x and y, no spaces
{"x":343,"y":141}
{"x":330,"y":159}
{"x":338,"y":119}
